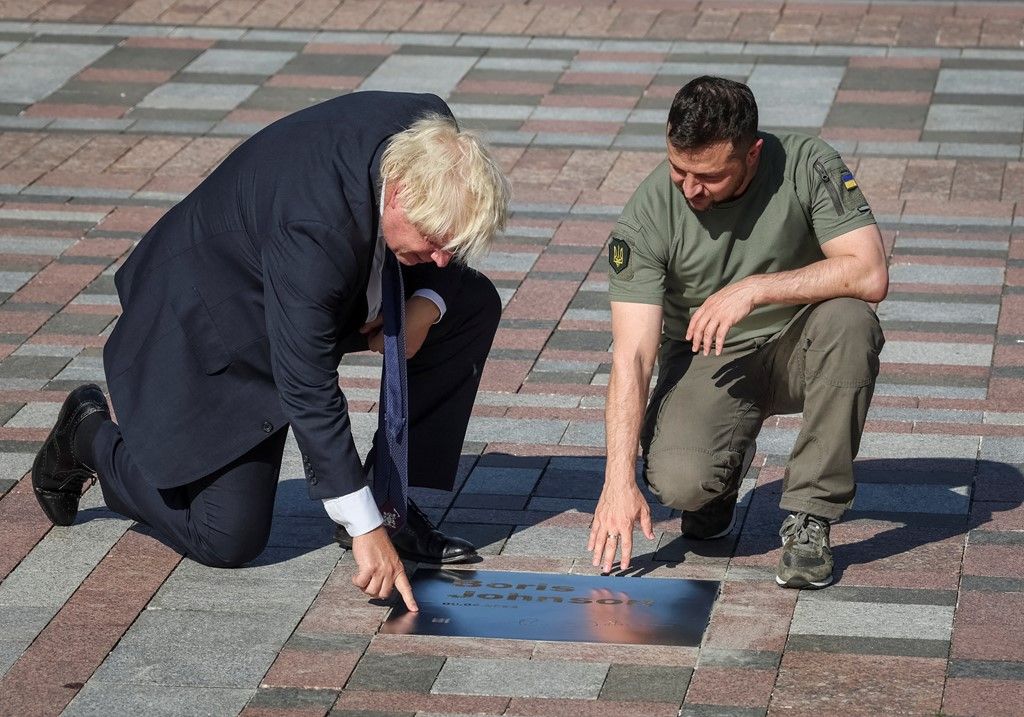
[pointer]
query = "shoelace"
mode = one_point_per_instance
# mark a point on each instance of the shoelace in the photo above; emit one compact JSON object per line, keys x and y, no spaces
{"x":803,"y":528}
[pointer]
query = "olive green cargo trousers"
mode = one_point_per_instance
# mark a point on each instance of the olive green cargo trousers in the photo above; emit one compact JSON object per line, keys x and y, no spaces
{"x":706,"y":410}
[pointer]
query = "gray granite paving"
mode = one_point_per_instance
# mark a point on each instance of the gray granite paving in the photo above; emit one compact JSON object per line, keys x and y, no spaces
{"x":196,"y":96}
{"x":197,"y":649}
{"x":240,"y":62}
{"x":33,"y":71}
{"x":521,"y":678}
{"x":438,"y":74}
{"x":868,"y":619}
{"x":103,"y":699}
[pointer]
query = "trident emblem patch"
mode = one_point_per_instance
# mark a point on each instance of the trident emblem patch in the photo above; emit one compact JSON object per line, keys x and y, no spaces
{"x":618,"y":255}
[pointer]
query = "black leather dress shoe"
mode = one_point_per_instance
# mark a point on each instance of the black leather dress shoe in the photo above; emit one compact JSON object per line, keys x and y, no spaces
{"x":57,"y":473}
{"x":421,"y":541}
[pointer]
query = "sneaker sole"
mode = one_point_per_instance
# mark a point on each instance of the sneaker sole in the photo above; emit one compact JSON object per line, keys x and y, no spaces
{"x":800,"y":584}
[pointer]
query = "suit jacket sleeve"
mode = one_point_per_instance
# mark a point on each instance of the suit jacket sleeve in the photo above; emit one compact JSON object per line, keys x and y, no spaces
{"x":310,"y":280}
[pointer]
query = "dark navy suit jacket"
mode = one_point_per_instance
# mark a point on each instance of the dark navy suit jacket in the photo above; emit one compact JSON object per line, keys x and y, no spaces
{"x":239,"y":303}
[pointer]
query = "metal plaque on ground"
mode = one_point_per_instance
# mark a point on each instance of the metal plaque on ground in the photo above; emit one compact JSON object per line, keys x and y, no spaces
{"x":543,"y":606}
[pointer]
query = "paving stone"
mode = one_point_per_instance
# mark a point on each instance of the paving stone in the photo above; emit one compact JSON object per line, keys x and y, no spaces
{"x":1007,"y":450}
{"x":521,"y":678}
{"x":239,"y":62}
{"x":296,"y":532}
{"x":11,"y":281}
{"x":513,"y":481}
{"x":860,"y":619}
{"x":14,"y":465}
{"x":22,"y":623}
{"x":938,"y":311}
{"x":868,"y":645}
{"x":975,"y":118}
{"x":918,"y":446}
{"x":197,"y":649}
{"x":542,"y":541}
{"x":282,"y":563}
{"x":987,"y":669}
{"x":83,"y":369}
{"x":996,"y":82}
{"x":404,"y":673}
{"x":35,"y":415}
{"x":895,"y":684}
{"x":66,"y":323}
{"x":31,"y":366}
{"x":651,"y":683}
{"x":896,"y":596}
{"x":103,"y":699}
{"x":438,"y":74}
{"x":941,"y":274}
{"x":234,"y":594}
{"x":486,"y":430}
{"x":756,"y":659}
{"x":720,"y":711}
{"x":285,"y":698}
{"x":34,"y":70}
{"x":920,"y":352}
{"x":61,"y":560}
{"x":912,"y":498}
{"x":195,"y":96}
{"x":9,"y":654}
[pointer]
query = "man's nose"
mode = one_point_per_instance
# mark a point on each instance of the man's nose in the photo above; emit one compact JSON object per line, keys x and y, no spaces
{"x":691,"y":188}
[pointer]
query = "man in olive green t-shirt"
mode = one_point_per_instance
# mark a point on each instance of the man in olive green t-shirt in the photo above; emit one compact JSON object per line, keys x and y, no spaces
{"x":744,"y":264}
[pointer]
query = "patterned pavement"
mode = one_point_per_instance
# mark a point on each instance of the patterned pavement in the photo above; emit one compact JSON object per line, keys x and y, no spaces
{"x":111,"y":110}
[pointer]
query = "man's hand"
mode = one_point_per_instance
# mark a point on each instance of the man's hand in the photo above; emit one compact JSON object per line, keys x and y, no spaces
{"x":719,"y":313}
{"x":380,"y":568}
{"x":617,"y":511}
{"x":420,"y":315}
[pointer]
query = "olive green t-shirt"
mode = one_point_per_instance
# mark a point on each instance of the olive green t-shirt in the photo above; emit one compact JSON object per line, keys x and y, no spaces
{"x":663,"y":252}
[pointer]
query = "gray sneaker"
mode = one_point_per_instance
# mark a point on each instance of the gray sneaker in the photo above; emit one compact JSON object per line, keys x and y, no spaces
{"x":806,"y":560}
{"x":717,"y":518}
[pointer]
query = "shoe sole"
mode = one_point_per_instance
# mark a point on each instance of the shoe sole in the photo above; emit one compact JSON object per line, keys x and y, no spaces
{"x":62,"y":418}
{"x":801,"y":584}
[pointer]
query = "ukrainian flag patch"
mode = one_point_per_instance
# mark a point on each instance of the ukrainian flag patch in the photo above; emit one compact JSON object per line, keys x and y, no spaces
{"x":848,"y":181}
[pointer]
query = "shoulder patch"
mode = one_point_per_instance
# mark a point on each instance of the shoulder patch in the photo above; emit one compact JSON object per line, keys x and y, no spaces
{"x":618,"y":255}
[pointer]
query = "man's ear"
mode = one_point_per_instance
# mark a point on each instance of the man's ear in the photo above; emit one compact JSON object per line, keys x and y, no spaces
{"x":755,"y":150}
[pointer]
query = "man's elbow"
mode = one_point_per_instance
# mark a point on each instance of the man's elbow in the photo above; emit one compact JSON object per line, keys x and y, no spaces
{"x":876,"y":286}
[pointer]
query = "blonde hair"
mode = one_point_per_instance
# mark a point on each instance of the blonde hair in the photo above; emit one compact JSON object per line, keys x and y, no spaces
{"x":449,"y":184}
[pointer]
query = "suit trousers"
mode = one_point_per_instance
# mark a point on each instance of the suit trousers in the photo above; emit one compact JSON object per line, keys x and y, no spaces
{"x":705,"y":411}
{"x":224,"y":519}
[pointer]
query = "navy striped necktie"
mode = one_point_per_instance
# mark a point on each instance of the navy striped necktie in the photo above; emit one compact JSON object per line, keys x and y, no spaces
{"x":391,"y":446}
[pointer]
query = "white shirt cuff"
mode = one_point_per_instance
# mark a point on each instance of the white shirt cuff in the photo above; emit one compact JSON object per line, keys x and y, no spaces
{"x":356,"y":512}
{"x":435,"y":297}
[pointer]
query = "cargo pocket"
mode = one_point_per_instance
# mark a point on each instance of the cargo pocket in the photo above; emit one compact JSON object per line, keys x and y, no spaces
{"x":200,"y":331}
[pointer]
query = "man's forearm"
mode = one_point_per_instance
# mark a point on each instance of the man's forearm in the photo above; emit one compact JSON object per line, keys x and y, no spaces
{"x":624,"y":410}
{"x":826,"y":279}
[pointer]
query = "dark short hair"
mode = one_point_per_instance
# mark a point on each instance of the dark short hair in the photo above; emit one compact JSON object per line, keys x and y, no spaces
{"x":708,"y":110}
